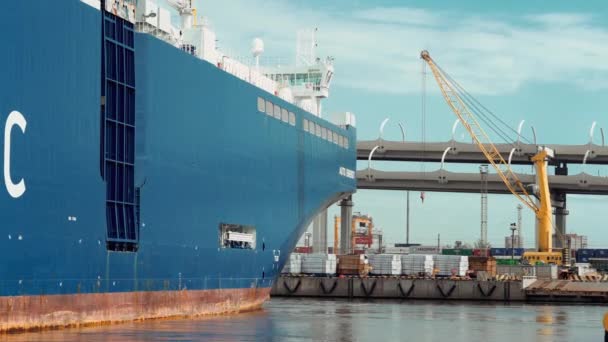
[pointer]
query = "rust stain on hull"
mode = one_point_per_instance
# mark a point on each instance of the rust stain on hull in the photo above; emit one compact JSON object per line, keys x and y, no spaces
{"x":23,"y":313}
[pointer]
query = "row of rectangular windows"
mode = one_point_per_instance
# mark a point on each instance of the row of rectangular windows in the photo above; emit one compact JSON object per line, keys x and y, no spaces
{"x":324,"y":133}
{"x":312,"y":127}
{"x":276,"y":111}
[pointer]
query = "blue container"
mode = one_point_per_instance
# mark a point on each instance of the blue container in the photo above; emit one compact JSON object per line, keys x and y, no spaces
{"x":498,"y":251}
{"x":509,"y":251}
{"x":582,"y":258}
{"x":600,"y":253}
{"x":583,"y":255}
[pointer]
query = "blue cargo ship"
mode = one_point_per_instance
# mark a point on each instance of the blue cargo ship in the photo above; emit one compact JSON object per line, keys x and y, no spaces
{"x":145,"y":174}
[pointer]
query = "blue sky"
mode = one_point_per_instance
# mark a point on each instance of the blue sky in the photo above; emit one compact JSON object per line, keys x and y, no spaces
{"x":522,"y":59}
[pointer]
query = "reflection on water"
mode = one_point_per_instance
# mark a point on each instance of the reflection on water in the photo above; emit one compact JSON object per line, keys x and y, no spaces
{"x":343,"y":320}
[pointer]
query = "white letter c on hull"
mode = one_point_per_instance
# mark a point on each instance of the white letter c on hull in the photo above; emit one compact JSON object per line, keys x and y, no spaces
{"x":14,"y":118}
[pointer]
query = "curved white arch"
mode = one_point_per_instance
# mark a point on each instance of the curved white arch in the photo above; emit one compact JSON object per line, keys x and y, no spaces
{"x":382,"y":126}
{"x":602,"y":134}
{"x":402,"y":132}
{"x":591,"y":132}
{"x":511,"y":156}
{"x":369,"y":162}
{"x":587,"y":153}
{"x":584,"y":166}
{"x":454,"y":126}
{"x":521,"y":125}
{"x":443,"y":156}
{"x":534,"y":134}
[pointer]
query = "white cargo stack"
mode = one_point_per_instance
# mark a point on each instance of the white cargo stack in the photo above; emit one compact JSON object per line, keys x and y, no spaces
{"x":319,"y":263}
{"x":387,"y":264}
{"x":414,"y":264}
{"x":293,"y":264}
{"x":448,"y":265}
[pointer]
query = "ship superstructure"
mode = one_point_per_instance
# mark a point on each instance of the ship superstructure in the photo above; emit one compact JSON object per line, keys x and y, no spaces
{"x":304,"y":83}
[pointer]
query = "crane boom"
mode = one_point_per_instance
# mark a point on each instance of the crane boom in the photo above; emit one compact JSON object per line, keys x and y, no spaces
{"x":451,"y":93}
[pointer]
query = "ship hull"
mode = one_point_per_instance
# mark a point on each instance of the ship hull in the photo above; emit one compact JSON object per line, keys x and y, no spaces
{"x":21,"y":313}
{"x":202,"y":155}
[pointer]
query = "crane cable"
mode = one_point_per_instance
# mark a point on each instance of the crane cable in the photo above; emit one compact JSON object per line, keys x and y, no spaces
{"x":478,"y":108}
{"x":505,"y":172}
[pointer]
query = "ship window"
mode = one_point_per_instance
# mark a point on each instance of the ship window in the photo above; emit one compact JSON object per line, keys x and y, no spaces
{"x":317,"y":130}
{"x":237,"y":236}
{"x":341,"y":141}
{"x":261,"y":104}
{"x":305,"y":125}
{"x":315,"y":78}
{"x":284,"y":115}
{"x":324,"y":133}
{"x":335,"y":138}
{"x":269,"y":108}
{"x":292,"y":119}
{"x":345,"y":142}
{"x":277,"y":112}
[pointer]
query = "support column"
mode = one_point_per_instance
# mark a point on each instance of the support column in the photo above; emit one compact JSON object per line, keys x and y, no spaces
{"x":560,"y":210}
{"x":561,"y":213}
{"x":319,"y":233}
{"x":346,"y":218}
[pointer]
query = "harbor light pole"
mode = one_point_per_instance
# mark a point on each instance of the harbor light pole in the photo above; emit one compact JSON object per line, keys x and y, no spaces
{"x":513,"y":229}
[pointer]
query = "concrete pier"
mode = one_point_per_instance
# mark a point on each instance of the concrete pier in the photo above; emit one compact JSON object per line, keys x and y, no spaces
{"x":398,"y":288}
{"x":558,"y":291}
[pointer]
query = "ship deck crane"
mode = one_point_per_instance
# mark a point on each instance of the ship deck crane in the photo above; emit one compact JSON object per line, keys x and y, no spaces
{"x":465,"y":107}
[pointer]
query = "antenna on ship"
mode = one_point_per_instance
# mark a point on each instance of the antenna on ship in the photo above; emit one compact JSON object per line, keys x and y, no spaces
{"x":257,"y":48}
{"x":305,"y":47}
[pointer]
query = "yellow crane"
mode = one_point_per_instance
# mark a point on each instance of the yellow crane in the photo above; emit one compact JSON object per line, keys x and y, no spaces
{"x":464,"y":107}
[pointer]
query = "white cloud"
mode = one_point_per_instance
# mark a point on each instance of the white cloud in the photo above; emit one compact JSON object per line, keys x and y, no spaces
{"x":377,"y":49}
{"x":398,"y":15}
{"x":561,"y":19}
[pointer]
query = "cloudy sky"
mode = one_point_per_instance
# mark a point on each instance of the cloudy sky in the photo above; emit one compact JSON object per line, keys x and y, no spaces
{"x":523,"y":60}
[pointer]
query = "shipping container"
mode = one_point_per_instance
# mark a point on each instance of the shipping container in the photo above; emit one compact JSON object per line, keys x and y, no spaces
{"x":507,"y":262}
{"x":506,"y":251}
{"x":497,"y":251}
{"x":600,"y":264}
{"x":600,"y":253}
{"x":481,"y":252}
{"x":363,"y":240}
{"x":457,"y":251}
{"x":425,"y":250}
{"x":583,"y":255}
{"x":303,"y":249}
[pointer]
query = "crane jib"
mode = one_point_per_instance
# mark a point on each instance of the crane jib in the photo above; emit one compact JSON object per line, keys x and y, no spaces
{"x":465,"y":107}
